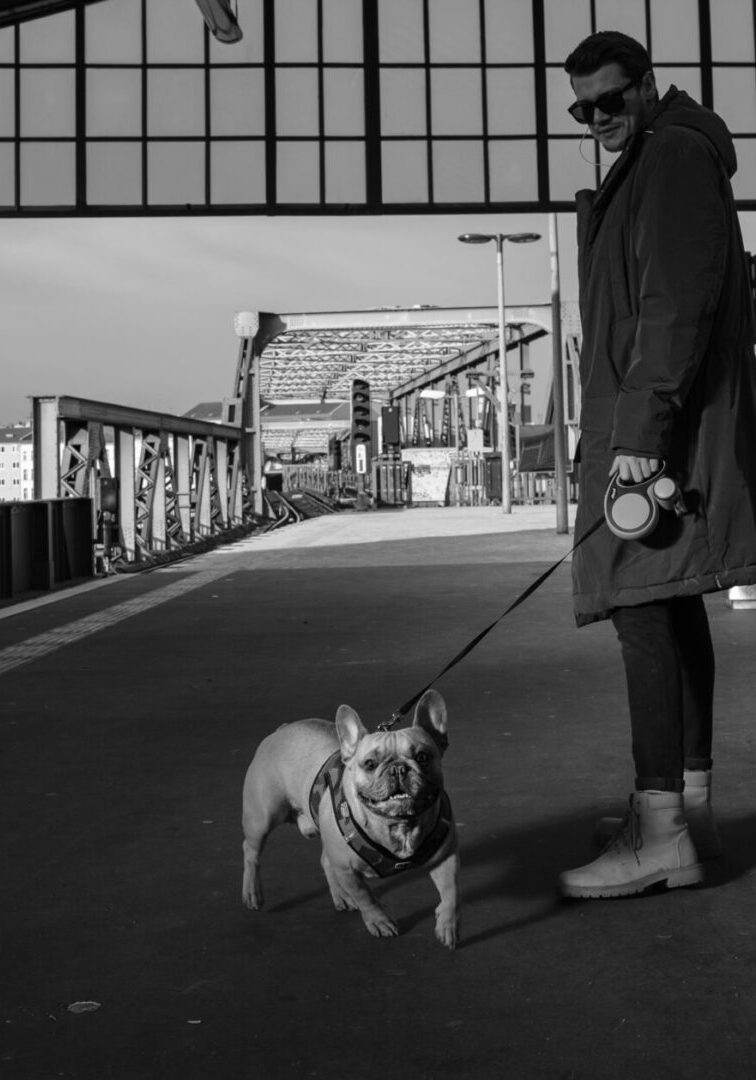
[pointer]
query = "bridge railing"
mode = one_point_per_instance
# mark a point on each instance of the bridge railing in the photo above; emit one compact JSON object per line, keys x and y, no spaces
{"x":157,"y":483}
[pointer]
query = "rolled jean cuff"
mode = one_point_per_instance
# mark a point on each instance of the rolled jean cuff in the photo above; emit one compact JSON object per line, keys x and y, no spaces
{"x":660,"y":783}
{"x":700,"y":764}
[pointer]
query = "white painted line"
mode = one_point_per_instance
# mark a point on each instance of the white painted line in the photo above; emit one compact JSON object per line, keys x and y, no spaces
{"x":35,"y":647}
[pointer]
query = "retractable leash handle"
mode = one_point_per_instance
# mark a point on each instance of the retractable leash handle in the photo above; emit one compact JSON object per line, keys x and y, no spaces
{"x":632,"y":509}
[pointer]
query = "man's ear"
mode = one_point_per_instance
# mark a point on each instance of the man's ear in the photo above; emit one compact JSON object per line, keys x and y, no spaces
{"x":350,"y":729}
{"x":648,"y":88}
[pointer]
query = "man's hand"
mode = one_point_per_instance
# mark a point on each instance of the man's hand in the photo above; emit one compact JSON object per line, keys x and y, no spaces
{"x":634,"y":469}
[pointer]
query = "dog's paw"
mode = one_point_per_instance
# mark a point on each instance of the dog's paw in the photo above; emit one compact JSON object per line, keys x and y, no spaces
{"x":342,"y":902}
{"x":380,"y":924}
{"x":252,"y":895}
{"x":447,"y":932}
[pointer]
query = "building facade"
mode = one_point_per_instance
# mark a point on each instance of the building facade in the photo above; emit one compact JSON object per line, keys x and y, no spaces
{"x":16,"y":462}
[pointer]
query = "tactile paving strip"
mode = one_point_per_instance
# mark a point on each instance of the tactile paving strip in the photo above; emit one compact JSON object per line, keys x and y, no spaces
{"x":42,"y":644}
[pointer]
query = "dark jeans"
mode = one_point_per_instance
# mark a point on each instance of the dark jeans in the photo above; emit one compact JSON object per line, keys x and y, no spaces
{"x":669,"y":664}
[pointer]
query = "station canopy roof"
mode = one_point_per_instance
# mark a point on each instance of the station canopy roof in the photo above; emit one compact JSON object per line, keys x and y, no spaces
{"x":316,"y":356}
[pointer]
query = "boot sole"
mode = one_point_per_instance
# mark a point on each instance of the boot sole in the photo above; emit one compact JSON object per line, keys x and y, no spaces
{"x":673,"y":879}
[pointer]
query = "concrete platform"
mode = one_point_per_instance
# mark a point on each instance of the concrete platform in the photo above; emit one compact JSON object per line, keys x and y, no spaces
{"x":130,"y":711}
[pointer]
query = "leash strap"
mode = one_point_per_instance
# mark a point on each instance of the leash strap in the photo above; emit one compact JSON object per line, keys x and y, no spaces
{"x":405,"y":708}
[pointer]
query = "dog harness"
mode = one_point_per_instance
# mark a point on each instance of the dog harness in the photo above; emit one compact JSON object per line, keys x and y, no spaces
{"x":379,"y":858}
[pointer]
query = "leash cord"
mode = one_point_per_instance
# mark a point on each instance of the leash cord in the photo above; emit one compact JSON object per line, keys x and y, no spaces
{"x":405,"y":708}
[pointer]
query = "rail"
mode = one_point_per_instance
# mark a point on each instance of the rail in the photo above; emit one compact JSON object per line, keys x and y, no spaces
{"x":280,"y":511}
{"x":158,"y":483}
{"x":293,"y":507}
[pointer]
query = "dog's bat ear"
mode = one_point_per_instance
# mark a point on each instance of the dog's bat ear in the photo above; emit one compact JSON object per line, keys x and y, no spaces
{"x":430,"y":714}
{"x":349,"y":729}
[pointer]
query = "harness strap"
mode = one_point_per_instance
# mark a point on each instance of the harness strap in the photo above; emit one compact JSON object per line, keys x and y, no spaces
{"x":382,"y":861}
{"x":330,"y":773}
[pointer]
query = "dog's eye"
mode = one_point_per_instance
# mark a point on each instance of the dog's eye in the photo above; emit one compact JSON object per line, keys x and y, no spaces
{"x":422,"y":757}
{"x":368,"y":764}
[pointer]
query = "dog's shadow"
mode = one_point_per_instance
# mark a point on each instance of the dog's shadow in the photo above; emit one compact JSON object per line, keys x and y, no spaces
{"x":522,"y":865}
{"x":517,"y":865}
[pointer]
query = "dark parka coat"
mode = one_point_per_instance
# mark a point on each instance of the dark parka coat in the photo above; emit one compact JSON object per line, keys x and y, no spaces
{"x":667,"y":362}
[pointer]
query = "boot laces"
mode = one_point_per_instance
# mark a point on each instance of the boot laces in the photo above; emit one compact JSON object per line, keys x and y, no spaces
{"x":628,"y":836}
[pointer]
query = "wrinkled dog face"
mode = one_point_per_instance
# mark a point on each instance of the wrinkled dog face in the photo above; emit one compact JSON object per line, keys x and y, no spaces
{"x":398,"y":774}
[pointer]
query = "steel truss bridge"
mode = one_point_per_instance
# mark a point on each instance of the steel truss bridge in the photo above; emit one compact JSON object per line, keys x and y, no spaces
{"x":399,"y":351}
{"x":179,"y":480}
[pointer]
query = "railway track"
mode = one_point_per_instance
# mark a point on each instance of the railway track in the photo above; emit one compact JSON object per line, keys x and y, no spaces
{"x":293,"y":507}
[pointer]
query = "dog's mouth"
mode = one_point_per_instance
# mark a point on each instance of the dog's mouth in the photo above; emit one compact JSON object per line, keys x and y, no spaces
{"x":399,"y":805}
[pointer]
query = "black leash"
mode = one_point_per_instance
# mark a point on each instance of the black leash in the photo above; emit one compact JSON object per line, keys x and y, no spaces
{"x":405,"y":708}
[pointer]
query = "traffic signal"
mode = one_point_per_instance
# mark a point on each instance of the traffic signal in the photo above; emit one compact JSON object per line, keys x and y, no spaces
{"x":390,"y":425}
{"x":361,"y":426}
{"x":334,"y":453}
{"x":109,"y":495}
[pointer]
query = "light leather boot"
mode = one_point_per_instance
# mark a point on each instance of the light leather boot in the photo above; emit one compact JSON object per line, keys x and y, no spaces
{"x":653,"y":847}
{"x":698,"y":814}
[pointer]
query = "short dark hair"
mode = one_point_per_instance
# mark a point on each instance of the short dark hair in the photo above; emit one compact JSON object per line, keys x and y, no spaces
{"x":609,"y":47}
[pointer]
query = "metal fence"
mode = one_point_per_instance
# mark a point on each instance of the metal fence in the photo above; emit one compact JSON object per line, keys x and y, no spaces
{"x":44,"y":544}
{"x":332,"y":483}
{"x":474,"y":480}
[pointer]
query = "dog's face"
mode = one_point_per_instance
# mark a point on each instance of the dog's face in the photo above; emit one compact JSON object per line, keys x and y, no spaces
{"x":395,"y":774}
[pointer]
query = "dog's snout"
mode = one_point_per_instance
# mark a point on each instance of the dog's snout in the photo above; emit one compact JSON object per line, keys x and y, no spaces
{"x":399,"y":768}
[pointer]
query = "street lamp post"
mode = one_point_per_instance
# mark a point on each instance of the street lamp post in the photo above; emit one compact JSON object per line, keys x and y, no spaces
{"x":506,"y":457}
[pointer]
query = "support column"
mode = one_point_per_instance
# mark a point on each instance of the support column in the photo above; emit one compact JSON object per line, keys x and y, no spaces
{"x":182,"y":472}
{"x":221,"y":478}
{"x":159,"y":517}
{"x":560,"y":454}
{"x":125,"y":469}
{"x":248,"y":390}
{"x":46,"y":436}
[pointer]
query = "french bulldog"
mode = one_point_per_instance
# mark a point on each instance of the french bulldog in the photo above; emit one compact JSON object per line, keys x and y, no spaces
{"x":396,"y":812}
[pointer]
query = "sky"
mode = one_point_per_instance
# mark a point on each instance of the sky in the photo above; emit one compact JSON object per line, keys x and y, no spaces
{"x":139,"y":311}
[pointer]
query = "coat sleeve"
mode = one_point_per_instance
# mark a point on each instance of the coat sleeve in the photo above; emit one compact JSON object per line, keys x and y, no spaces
{"x":679,"y":242}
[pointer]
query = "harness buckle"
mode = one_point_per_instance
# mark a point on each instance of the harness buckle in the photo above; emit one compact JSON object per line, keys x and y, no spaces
{"x":386,"y":725}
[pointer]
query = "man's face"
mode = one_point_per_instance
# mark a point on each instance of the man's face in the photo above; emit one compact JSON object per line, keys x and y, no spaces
{"x":613,"y":132}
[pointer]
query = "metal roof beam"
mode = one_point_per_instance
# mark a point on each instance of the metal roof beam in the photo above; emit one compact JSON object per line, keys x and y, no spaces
{"x":270,"y":326}
{"x":461,"y":363}
{"x":316,"y":353}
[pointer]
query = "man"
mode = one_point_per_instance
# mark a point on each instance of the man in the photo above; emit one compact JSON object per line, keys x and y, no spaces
{"x":668,"y":377}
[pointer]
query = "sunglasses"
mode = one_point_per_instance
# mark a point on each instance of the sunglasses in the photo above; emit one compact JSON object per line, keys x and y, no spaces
{"x":612,"y":104}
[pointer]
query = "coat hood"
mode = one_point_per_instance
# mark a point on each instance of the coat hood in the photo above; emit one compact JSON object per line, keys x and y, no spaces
{"x":678,"y":108}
